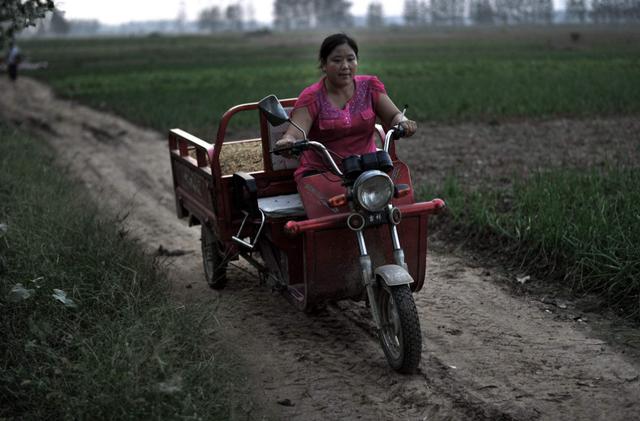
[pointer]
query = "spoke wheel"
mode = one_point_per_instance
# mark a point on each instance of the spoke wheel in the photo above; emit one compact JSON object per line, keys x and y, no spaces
{"x":213,"y":259}
{"x":400,"y":334}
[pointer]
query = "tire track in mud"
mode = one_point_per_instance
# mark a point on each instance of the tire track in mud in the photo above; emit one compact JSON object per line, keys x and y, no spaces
{"x":327,"y":367}
{"x":435,"y":373}
{"x":487,"y":354}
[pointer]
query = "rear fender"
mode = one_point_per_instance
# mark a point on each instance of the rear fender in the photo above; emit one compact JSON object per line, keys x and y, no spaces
{"x":393,"y":275}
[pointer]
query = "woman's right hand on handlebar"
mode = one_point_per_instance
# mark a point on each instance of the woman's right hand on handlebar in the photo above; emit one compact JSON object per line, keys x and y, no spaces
{"x":285,"y":142}
{"x":283,"y":146}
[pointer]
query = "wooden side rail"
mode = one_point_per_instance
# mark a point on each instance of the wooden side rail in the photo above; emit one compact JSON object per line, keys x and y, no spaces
{"x":179,"y":141}
{"x":193,"y":184}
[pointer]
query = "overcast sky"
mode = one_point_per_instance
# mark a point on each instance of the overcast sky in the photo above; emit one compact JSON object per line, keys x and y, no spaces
{"x":120,"y":11}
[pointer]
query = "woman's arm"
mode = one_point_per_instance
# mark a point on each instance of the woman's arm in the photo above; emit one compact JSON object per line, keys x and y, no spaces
{"x":303,"y":119}
{"x":390,"y":115}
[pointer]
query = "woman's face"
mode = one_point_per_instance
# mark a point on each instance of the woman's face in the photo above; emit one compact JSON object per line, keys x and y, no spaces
{"x":341,"y":65}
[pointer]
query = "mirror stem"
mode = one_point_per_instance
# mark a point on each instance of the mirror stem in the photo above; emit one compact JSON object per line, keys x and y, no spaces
{"x":299,"y":128}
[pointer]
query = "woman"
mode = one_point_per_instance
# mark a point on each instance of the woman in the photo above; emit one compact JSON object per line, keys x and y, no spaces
{"x":340,"y":110}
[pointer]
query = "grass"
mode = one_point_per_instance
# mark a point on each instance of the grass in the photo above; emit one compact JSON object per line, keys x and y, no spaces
{"x":580,"y":227}
{"x":113,"y":345}
{"x":188,"y":82}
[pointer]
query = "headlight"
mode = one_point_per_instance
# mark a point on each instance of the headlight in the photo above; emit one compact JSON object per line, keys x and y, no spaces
{"x":373,"y":190}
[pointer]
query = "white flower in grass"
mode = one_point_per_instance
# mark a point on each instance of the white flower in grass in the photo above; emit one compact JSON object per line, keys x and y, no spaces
{"x":61,"y":296}
{"x":19,"y":293}
{"x":173,"y":385}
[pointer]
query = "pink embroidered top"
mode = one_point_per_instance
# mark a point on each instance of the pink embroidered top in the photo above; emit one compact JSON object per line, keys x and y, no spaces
{"x":347,"y":131}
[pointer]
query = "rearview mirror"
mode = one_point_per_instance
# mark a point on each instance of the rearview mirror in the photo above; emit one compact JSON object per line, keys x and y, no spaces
{"x":273,"y":110}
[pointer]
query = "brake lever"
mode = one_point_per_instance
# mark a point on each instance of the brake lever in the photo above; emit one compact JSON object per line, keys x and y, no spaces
{"x":398,"y":130}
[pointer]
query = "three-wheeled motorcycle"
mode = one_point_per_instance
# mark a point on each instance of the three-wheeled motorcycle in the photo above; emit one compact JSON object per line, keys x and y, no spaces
{"x":352,"y":232}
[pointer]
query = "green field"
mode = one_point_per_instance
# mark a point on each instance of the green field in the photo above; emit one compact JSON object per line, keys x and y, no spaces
{"x":579,"y":228}
{"x":189,"y":82}
{"x":485,"y":75}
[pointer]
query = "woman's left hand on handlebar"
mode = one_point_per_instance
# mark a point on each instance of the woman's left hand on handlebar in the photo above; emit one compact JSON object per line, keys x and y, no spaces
{"x":409,"y":127}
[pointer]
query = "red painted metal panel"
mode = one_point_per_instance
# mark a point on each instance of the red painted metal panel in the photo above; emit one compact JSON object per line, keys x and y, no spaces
{"x":333,"y":271}
{"x":317,"y":189}
{"x":335,"y":221}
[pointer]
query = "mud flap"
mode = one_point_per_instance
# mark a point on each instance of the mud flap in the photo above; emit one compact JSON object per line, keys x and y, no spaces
{"x":393,"y":275}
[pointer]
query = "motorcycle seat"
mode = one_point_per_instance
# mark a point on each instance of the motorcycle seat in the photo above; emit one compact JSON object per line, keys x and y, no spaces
{"x":286,"y":205}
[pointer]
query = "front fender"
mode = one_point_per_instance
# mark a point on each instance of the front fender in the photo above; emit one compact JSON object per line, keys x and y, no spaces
{"x":393,"y":275}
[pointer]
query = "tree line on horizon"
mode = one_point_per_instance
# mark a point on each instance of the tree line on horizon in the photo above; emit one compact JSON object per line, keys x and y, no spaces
{"x":291,"y":15}
{"x":513,"y":12}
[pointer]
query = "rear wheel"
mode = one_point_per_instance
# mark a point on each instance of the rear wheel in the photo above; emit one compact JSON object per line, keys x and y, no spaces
{"x":400,"y":334}
{"x":213,"y":259}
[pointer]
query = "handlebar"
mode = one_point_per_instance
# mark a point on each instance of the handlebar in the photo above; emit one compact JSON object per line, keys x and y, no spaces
{"x":396,"y":132}
{"x":296,"y":149}
{"x":303,"y":145}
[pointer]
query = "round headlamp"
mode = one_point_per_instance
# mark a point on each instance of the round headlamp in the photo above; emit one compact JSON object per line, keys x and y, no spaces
{"x":373,"y":190}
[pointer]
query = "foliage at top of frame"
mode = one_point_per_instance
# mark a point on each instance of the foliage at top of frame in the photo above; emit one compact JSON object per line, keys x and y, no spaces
{"x":18,"y":14}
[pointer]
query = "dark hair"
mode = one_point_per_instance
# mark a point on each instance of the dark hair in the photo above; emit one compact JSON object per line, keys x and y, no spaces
{"x":332,"y":41}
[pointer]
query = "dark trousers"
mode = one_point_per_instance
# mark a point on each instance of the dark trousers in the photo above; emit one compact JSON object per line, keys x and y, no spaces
{"x":13,"y":71}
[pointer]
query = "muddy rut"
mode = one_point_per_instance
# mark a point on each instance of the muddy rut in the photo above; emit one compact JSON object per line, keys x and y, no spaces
{"x":488,"y":354}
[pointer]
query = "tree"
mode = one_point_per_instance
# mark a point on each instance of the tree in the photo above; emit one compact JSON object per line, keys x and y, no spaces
{"x":210,"y":19}
{"x":482,"y":12}
{"x":297,"y":14}
{"x":544,"y":11}
{"x":612,"y":11}
{"x":513,"y":11}
{"x":447,"y":11}
{"x":410,"y":12}
{"x":59,"y":24}
{"x":181,"y":18}
{"x":84,"y":26}
{"x":576,"y":10}
{"x":280,"y":15}
{"x":294,"y":14}
{"x":424,"y":12}
{"x":233,"y":14}
{"x":333,"y":13}
{"x":18,"y":14}
{"x":375,"y":17}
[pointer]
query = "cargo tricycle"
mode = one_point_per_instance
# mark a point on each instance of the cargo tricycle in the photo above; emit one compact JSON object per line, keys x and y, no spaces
{"x":354,"y":231}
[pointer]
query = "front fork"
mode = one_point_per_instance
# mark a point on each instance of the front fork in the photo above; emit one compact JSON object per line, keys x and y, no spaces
{"x":366,"y":268}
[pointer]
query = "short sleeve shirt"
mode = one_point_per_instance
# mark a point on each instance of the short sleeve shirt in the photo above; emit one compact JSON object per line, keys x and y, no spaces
{"x":345,"y":132}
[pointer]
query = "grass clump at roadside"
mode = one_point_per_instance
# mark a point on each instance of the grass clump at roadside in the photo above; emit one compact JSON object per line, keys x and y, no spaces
{"x":88,"y":328}
{"x":580,"y":227}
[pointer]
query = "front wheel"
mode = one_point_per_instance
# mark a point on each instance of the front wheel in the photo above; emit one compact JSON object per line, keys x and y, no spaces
{"x":400,"y":334}
{"x":213,"y":259}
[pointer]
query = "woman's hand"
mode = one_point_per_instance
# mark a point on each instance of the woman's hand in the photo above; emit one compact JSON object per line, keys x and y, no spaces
{"x":284,"y":144}
{"x":409,"y":126}
{"x":391,"y":116}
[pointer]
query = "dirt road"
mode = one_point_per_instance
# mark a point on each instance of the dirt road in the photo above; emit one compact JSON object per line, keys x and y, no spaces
{"x":488,"y":354}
